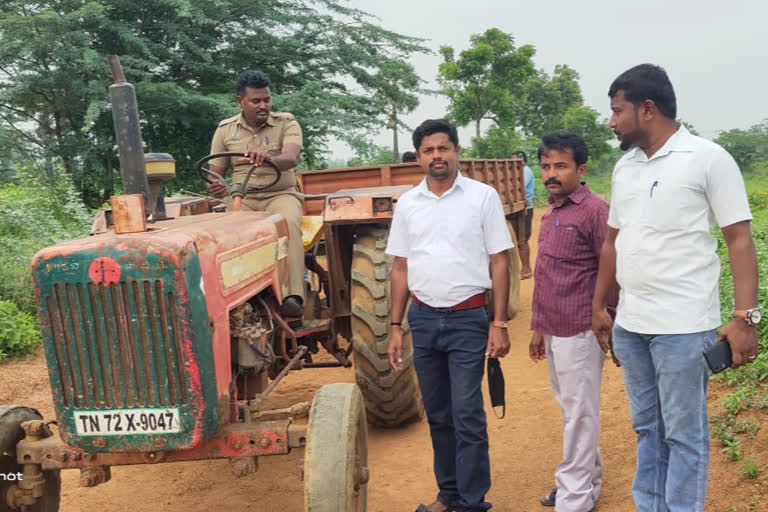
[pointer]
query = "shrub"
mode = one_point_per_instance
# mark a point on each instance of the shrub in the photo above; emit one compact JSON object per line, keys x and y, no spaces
{"x":37,"y":212}
{"x":18,"y":331}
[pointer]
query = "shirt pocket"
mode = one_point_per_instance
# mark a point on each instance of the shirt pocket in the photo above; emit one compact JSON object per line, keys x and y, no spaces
{"x":273,"y":144}
{"x":465,"y":230}
{"x":563,"y":242}
{"x":674,"y":206}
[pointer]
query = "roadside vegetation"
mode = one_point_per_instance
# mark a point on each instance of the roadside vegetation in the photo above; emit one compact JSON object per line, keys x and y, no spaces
{"x":37,"y":212}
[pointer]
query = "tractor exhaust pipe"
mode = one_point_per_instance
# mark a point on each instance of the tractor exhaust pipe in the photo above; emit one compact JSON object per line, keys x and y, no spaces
{"x":125,"y":114}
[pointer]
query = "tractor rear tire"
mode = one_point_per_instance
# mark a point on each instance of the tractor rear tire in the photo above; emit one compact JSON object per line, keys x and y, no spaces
{"x":391,"y":398}
{"x":11,"y":418}
{"x":336,"y":455}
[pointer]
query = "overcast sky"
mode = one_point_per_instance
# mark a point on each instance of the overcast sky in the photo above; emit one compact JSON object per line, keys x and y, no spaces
{"x":716,"y":52}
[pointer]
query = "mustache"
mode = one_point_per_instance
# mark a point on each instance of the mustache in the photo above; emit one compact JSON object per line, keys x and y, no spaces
{"x":552,"y":181}
{"x":438,"y":162}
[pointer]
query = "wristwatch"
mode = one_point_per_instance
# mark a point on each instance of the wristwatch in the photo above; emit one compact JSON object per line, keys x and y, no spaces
{"x":503,"y":325}
{"x":751,"y":316}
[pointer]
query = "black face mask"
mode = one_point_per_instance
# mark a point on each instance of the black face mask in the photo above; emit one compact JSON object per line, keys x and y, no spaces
{"x":496,"y":386}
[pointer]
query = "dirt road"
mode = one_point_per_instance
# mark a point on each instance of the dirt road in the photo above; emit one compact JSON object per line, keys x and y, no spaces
{"x":525,"y":448}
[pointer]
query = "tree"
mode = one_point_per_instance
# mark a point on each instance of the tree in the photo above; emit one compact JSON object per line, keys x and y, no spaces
{"x":746,"y":146}
{"x":184,"y":57}
{"x":496,"y":81}
{"x":547,"y":99}
{"x":398,"y":86}
{"x":690,"y":127}
{"x":368,"y":153}
{"x":485,"y":81}
{"x":584,"y":121}
{"x":498,"y":142}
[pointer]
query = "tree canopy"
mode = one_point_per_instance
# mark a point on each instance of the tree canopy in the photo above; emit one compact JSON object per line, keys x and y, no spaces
{"x":497,"y":81}
{"x":746,"y":146}
{"x":184,"y":57}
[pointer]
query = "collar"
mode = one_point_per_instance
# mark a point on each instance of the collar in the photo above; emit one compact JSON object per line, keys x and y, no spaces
{"x":681,"y":141}
{"x":576,"y":197}
{"x":458,"y":182}
{"x":242,"y":122}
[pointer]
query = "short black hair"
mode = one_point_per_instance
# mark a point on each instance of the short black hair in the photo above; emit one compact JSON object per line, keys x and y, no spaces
{"x":562,"y":141}
{"x":255,"y":79}
{"x":647,"y":82}
{"x":409,"y":156}
{"x":433,"y":126}
{"x":522,"y":154}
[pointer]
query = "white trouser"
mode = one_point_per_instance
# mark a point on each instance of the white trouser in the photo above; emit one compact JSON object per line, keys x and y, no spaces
{"x":575,"y":370}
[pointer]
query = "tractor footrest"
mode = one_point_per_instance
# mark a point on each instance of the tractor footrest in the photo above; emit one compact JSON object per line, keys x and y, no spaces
{"x":308,"y":327}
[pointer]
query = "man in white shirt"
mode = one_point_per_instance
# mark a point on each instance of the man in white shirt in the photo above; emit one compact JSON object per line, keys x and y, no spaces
{"x":445,"y":232}
{"x":668,"y":191}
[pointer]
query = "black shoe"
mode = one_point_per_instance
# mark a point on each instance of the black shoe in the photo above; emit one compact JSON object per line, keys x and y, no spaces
{"x":291,"y":307}
{"x":549,"y":501}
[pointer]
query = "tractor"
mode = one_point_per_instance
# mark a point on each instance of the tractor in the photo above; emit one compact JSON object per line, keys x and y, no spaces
{"x":163,"y":340}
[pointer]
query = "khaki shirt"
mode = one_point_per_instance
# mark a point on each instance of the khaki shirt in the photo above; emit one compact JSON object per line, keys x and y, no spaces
{"x":234,"y":134}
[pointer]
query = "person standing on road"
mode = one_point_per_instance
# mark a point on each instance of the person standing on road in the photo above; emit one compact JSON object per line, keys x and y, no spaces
{"x":444,"y":233}
{"x":570,"y":238}
{"x":263,"y":134}
{"x":668,"y":190}
{"x":523,"y":238}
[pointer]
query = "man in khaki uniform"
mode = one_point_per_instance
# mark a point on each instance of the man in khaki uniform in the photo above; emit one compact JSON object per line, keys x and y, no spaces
{"x":265,"y":134}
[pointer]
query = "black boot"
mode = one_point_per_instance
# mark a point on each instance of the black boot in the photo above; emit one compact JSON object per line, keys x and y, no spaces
{"x":292,"y":307}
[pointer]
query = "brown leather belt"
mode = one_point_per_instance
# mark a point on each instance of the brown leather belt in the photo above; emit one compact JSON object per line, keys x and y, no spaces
{"x":476,"y":301}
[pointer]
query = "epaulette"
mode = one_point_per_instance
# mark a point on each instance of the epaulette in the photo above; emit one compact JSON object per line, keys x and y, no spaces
{"x":229,"y":120}
{"x":285,"y":116}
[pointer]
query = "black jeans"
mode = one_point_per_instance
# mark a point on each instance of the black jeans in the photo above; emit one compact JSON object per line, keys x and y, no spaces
{"x":449,"y":355}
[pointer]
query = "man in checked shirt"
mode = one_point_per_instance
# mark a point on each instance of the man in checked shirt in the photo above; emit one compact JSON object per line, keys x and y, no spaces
{"x":570,"y":238}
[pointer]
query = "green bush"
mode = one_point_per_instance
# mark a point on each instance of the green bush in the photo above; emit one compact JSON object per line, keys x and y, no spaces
{"x":752,"y":376}
{"x":37,"y":212}
{"x":18,"y":331}
{"x":749,"y":468}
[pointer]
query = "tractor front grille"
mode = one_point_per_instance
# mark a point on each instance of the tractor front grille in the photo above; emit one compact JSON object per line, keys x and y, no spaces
{"x":116,"y":345}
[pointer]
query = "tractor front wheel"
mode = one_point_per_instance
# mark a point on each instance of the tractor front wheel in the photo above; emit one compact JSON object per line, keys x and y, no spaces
{"x":11,"y":418}
{"x":336,"y":455}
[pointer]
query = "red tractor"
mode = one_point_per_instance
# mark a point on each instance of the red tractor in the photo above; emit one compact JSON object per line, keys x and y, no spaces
{"x":163,"y":339}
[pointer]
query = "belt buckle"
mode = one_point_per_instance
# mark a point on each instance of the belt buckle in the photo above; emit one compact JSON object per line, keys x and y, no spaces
{"x":443,"y":310}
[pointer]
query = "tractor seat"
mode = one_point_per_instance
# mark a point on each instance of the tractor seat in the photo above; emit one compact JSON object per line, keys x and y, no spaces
{"x":311,"y":230}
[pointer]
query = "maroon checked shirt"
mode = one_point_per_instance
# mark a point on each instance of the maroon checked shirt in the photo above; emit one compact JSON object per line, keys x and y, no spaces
{"x":570,"y":238}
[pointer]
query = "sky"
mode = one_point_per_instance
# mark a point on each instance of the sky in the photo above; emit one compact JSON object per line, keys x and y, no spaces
{"x":715,"y":52}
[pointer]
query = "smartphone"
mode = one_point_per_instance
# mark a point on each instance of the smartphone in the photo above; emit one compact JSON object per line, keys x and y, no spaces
{"x":719,"y":356}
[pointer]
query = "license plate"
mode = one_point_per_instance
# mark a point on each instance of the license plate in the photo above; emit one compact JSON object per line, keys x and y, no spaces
{"x":119,"y":422}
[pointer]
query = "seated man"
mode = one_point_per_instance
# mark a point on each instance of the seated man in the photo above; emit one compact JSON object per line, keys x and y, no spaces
{"x":265,"y":134}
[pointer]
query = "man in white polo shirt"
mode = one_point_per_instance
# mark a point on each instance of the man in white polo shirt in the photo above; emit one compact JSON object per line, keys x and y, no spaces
{"x":668,"y":191}
{"x":445,"y":232}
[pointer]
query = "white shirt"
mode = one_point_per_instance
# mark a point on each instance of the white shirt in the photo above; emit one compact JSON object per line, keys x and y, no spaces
{"x":447,"y":240}
{"x":665,"y":209}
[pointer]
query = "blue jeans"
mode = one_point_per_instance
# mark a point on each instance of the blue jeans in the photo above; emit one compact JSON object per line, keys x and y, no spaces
{"x":449,"y":355}
{"x":666,"y":379}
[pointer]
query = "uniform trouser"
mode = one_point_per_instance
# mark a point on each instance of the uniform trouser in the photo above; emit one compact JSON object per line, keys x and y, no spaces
{"x":290,"y":207}
{"x":449,"y":356}
{"x":575,"y":371}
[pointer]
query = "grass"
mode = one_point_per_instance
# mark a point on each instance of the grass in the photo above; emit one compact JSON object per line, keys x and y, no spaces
{"x":749,"y":468}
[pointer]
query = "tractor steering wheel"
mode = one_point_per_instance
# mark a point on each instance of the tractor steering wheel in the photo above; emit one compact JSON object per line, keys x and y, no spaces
{"x":235,"y":189}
